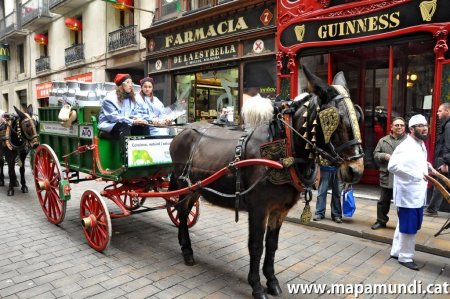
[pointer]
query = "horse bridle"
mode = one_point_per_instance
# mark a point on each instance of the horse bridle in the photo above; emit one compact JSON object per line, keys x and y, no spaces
{"x":351,"y":114}
{"x":335,"y":157}
{"x":25,"y":132}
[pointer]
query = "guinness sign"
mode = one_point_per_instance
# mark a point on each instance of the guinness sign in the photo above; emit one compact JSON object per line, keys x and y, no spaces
{"x":404,"y":15}
{"x":4,"y":52}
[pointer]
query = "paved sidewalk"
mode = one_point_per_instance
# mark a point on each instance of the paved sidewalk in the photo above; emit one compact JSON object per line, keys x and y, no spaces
{"x":365,"y":215}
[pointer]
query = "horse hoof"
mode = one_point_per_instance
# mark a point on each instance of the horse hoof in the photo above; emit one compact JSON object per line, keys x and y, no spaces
{"x":274,"y":289}
{"x":189,"y":260}
{"x":260,"y":295}
{"x":10,"y":192}
{"x":24,"y":189}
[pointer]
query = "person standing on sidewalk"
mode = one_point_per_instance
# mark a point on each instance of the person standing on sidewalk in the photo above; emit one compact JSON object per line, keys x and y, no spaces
{"x":409,"y":164}
{"x":328,"y":177}
{"x":441,"y":156}
{"x":382,"y":154}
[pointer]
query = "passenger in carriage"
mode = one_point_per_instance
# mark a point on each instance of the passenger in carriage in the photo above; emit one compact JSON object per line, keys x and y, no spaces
{"x":153,"y":108}
{"x":120,"y":114}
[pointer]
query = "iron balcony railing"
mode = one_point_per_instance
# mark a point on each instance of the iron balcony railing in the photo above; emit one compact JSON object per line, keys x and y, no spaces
{"x":42,"y":64}
{"x":8,"y":24}
{"x":74,"y":54}
{"x":53,"y":3}
{"x":122,"y":38}
{"x":33,"y":9}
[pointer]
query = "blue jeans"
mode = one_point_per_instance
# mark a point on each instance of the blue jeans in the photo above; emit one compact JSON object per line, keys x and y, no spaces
{"x":329,"y":178}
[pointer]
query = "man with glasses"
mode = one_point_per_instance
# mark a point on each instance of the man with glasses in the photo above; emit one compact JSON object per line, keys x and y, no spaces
{"x":382,"y":154}
{"x":408,"y":164}
{"x":441,"y":155}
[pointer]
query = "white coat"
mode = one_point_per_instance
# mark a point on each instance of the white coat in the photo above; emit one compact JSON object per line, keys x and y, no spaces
{"x":408,"y":163}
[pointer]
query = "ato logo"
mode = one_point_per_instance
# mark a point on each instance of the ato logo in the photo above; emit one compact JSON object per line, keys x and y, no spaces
{"x":86,"y":132}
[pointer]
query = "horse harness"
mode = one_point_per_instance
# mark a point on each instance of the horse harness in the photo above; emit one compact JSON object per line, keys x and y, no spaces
{"x":24,"y":137}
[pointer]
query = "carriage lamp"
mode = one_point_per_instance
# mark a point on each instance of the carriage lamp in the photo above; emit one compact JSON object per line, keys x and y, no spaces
{"x":41,"y":39}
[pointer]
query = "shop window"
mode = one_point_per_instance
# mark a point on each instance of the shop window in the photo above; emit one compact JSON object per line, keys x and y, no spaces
{"x":367,"y":73}
{"x":207,"y":93}
{"x":21,"y":58}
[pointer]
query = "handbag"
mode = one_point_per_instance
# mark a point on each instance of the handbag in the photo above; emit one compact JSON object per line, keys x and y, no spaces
{"x":348,"y":202}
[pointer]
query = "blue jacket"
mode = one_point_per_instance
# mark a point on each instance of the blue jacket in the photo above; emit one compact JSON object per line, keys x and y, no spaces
{"x":112,"y":112}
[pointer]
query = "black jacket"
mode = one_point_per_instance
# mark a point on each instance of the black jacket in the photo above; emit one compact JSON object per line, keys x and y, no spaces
{"x":442,"y":150}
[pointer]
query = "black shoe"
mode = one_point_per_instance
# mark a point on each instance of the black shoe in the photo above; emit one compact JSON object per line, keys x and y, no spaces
{"x":430,"y":213}
{"x":394,"y":257}
{"x":378,"y":225}
{"x":410,"y":265}
{"x":337,"y":219}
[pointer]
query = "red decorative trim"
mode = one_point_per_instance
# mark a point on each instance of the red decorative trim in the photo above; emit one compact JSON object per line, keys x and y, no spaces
{"x":441,"y":44}
{"x":279,"y":58}
{"x":361,"y":9}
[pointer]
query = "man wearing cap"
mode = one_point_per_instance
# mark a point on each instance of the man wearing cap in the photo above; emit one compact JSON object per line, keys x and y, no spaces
{"x":408,"y":164}
{"x":121,"y":114}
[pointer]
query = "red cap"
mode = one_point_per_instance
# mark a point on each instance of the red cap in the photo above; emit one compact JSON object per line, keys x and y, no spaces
{"x":120,"y":78}
{"x":146,"y":79}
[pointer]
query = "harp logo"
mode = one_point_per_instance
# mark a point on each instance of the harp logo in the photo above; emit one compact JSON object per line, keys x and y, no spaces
{"x":300,"y":32}
{"x":427,"y":9}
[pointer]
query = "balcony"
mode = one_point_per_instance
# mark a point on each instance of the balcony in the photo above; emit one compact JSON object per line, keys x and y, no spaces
{"x":74,"y":54}
{"x":62,"y":7}
{"x":42,"y":64}
{"x":124,"y":37}
{"x":9,"y":27}
{"x":35,"y":14}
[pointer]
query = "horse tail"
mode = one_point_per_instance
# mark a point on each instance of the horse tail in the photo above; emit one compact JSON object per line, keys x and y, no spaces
{"x":257,"y":111}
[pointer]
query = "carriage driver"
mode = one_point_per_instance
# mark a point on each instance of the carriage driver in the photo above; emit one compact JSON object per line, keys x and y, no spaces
{"x":121,"y":112}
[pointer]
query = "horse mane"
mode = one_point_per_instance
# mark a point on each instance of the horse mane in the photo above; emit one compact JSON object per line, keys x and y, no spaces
{"x":257,"y":111}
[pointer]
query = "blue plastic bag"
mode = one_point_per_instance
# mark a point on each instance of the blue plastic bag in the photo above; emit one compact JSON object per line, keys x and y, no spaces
{"x":348,"y":202}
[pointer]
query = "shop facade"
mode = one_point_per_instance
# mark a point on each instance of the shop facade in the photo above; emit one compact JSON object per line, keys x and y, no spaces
{"x":198,"y":61}
{"x":394,"y":55}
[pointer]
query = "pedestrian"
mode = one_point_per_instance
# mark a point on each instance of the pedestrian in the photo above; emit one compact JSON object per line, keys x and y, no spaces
{"x":120,"y":114}
{"x":382,"y":154}
{"x":408,"y":164}
{"x":328,"y":177}
{"x":153,"y":108}
{"x":441,"y":156}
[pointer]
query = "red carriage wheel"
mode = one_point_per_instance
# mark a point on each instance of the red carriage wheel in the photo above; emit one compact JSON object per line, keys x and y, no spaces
{"x":129,"y":202}
{"x":95,"y":220}
{"x":47,"y":176}
{"x":193,"y":214}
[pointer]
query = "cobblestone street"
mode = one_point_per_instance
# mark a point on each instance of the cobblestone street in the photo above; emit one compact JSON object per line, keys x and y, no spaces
{"x":41,"y":260}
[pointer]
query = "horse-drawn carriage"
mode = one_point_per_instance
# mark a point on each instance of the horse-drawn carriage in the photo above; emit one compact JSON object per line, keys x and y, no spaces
{"x":136,"y":168}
